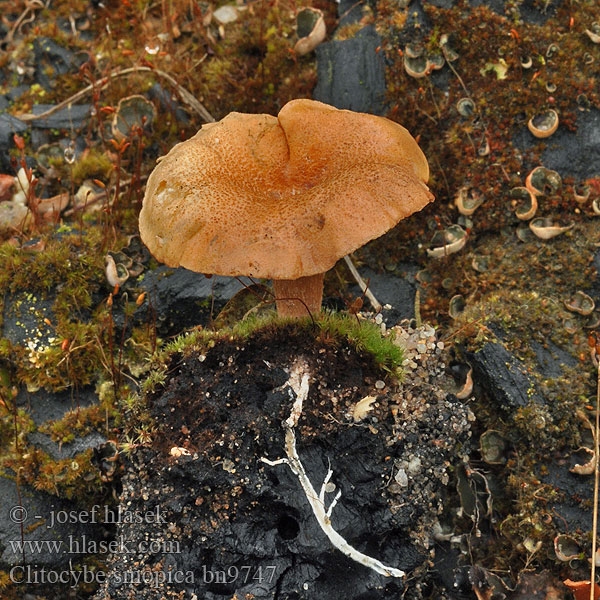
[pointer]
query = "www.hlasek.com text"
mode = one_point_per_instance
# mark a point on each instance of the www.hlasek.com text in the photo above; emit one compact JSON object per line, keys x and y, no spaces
{"x":86,"y":545}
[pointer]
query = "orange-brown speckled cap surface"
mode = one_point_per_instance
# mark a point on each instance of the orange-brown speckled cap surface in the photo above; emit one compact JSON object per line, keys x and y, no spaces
{"x":281,"y":197}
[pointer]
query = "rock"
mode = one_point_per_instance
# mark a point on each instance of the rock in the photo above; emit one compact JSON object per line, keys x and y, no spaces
{"x":503,"y":377}
{"x":536,"y":13}
{"x":443,"y":3}
{"x":183,"y":299}
{"x":61,"y":451}
{"x":594,"y":291}
{"x":9,"y":125}
{"x":576,"y":154}
{"x":507,"y":380}
{"x":70,"y":117}
{"x":223,"y":510}
{"x":53,"y":531}
{"x":24,"y":313}
{"x":349,"y":12}
{"x":23,"y":320}
{"x":167,"y":102}
{"x":551,"y":360}
{"x":397,"y":290}
{"x":57,"y":532}
{"x":226,"y":14}
{"x":351,"y":73}
{"x":49,"y":54}
{"x":571,"y":153}
{"x":16,"y":92}
{"x":573,"y":493}
{"x":496,"y":5}
{"x":416,"y":26}
{"x":45,"y":406}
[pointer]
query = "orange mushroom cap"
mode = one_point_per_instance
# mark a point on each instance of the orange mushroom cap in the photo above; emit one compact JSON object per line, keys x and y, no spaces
{"x":281,"y":197}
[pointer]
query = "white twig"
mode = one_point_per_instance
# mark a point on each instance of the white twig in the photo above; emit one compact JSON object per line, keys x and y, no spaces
{"x":298,"y":383}
{"x":317,"y":502}
{"x":362,"y":285}
{"x":274,"y":463}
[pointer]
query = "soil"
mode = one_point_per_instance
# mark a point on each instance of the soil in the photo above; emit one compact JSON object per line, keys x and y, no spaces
{"x":220,"y":411}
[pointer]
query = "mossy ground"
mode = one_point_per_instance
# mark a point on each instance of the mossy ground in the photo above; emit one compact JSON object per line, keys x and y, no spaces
{"x":526,"y":284}
{"x":247,"y":66}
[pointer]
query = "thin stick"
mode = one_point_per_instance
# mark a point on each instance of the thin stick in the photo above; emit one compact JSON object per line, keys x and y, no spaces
{"x":596,"y":479}
{"x":437,"y":108}
{"x":362,"y":285}
{"x":92,"y":199}
{"x":443,"y":174}
{"x":464,"y":87}
{"x":186,"y":96}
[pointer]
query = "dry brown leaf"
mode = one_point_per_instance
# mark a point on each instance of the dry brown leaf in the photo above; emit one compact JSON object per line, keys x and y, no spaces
{"x":581,"y":589}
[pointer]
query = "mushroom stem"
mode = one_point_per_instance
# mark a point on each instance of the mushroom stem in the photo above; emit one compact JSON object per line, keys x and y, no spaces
{"x":295,"y":297}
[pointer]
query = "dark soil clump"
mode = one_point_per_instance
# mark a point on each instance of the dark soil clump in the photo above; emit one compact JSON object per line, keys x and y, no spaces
{"x":232,"y":524}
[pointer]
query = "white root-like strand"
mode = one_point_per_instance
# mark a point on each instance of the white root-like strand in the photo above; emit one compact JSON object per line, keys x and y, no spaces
{"x":317,"y":502}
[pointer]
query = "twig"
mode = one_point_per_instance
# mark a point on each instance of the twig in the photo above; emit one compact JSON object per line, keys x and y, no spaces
{"x":93,"y":198}
{"x":437,"y":108}
{"x":30,"y":5}
{"x":464,"y":87}
{"x":443,"y":175}
{"x":298,"y":382}
{"x":497,"y":164}
{"x":427,"y":115}
{"x":186,"y":96}
{"x":418,"y":320}
{"x":362,"y":285}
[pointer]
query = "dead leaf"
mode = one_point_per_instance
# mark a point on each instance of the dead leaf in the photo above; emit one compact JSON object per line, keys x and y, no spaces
{"x":588,"y":468}
{"x":581,"y":589}
{"x":6,"y":185}
{"x":363,"y":407}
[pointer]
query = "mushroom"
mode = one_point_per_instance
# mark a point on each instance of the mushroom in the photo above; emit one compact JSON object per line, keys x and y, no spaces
{"x":544,"y":124}
{"x":284,"y":197}
{"x":311,"y":30}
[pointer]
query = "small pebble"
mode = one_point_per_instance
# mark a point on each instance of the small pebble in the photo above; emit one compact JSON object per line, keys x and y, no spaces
{"x":401,"y":478}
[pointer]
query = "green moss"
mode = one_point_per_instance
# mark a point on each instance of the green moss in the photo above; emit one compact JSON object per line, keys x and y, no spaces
{"x":69,"y":270}
{"x":365,"y":336}
{"x":77,"y":423}
{"x":7,"y":587}
{"x":94,"y":165}
{"x":67,"y":478}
